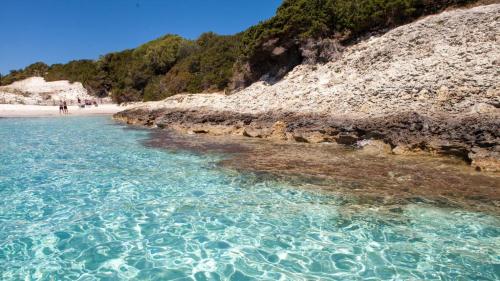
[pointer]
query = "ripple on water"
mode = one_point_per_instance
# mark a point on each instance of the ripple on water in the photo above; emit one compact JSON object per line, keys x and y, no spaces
{"x":84,"y":200}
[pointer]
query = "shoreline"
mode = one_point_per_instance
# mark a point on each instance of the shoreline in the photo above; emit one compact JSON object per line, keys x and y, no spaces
{"x":35,"y":111}
{"x":403,"y":92}
{"x":472,"y":138}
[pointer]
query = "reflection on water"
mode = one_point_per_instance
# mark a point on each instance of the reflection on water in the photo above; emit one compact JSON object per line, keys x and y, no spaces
{"x":83,"y":199}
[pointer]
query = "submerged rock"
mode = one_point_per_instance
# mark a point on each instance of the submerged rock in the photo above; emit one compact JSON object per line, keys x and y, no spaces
{"x":375,"y":147}
{"x":370,"y":179}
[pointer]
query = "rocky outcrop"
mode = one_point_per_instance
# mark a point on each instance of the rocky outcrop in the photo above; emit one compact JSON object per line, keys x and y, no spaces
{"x":473,"y":138}
{"x":428,"y":87}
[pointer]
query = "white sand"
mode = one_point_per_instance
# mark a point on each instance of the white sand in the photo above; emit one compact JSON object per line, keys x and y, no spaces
{"x":21,"y":110}
{"x":36,"y":91}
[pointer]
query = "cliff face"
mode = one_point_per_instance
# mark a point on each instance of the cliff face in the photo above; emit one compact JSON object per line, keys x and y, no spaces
{"x":431,"y":85}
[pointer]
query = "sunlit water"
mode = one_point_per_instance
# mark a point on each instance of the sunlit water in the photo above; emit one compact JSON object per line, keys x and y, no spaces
{"x":83,"y":199}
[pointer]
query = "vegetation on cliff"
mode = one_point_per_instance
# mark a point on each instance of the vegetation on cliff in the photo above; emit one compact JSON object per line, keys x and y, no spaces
{"x":172,"y":64}
{"x":275,"y":46}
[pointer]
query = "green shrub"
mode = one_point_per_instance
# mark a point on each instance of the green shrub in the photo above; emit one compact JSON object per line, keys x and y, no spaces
{"x":208,"y":67}
{"x":161,"y":54}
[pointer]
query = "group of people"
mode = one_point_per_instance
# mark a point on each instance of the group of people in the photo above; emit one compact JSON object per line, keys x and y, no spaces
{"x":63,"y":107}
{"x":86,"y":102}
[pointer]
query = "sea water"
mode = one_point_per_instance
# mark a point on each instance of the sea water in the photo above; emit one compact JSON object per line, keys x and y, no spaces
{"x":84,"y":199}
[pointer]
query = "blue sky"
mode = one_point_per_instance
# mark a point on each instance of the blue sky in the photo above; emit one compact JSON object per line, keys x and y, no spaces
{"x":56,"y":31}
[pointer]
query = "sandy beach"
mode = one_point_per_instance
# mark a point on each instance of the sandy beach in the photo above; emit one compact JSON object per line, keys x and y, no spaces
{"x":21,"y":110}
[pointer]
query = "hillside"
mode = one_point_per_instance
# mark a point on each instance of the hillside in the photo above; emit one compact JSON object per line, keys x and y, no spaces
{"x":426,"y":66}
{"x":429,"y":86}
{"x":302,"y":31}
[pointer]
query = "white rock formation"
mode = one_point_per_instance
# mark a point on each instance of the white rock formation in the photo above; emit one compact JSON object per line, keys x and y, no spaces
{"x":446,"y":63}
{"x":36,"y":91}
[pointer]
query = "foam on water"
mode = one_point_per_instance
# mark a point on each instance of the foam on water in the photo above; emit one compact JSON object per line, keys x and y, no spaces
{"x":82,"y":199}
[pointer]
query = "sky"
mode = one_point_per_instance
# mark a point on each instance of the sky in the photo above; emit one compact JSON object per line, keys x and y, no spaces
{"x":57,"y":31}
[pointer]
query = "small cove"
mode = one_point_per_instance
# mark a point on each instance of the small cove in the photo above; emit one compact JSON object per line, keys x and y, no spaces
{"x":84,"y":198}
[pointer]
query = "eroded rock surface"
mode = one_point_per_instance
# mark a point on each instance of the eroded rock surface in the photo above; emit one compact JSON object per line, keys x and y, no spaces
{"x":472,"y":138}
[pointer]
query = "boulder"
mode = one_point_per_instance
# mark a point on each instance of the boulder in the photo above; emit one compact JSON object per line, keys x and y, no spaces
{"x":278,"y":131}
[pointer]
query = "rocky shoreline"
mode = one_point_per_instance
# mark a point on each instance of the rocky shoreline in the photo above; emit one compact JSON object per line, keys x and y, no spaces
{"x":473,"y":138}
{"x":429,"y":87}
{"x":364,"y":177}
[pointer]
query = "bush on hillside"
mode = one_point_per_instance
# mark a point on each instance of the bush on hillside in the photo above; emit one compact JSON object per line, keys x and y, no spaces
{"x":208,"y":67}
{"x":296,"y":21}
{"x":35,"y":69}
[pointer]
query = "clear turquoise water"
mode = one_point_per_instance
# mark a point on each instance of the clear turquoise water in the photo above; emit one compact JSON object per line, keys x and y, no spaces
{"x":83,"y":199}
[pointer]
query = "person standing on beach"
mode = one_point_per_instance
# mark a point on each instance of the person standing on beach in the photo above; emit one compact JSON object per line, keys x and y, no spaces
{"x":65,"y":107}
{"x":61,"y":107}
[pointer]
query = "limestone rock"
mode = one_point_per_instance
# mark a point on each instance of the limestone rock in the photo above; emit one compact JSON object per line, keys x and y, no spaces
{"x":408,"y":151}
{"x":317,"y":137}
{"x":482,"y":108}
{"x":375,"y":147}
{"x":485,"y":160}
{"x":37,"y":91}
{"x":278,"y":131}
{"x":415,"y":67}
{"x":347,"y":139}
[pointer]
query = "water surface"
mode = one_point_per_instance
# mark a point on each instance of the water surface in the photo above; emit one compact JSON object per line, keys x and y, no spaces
{"x":84,"y":199}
